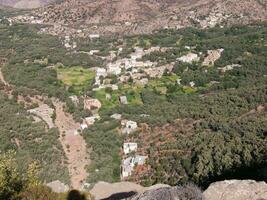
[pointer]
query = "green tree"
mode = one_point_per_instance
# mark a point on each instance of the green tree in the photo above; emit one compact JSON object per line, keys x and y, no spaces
{"x":10,"y":181}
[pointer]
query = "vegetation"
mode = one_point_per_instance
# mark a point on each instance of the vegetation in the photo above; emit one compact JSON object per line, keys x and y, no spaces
{"x":130,"y":91}
{"x":26,"y":186}
{"x":31,"y":56}
{"x":31,"y":141}
{"x":105,"y":144}
{"x":225,"y":136}
{"x":76,"y":78}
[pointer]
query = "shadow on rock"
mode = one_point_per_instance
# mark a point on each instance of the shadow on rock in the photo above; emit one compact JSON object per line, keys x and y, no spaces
{"x":120,"y":196}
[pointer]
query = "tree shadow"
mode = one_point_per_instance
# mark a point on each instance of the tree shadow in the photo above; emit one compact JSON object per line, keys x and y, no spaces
{"x":76,"y":195}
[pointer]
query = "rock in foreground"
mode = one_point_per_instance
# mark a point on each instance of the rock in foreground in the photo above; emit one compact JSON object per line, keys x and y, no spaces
{"x":188,"y":192}
{"x":236,"y":190}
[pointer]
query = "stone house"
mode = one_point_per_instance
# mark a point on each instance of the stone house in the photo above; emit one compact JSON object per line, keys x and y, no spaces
{"x":129,"y":147}
{"x":91,"y":120}
{"x":128,"y":126}
{"x":212,"y":56}
{"x":92,"y":104}
{"x":189,"y":58}
{"x":129,"y":163}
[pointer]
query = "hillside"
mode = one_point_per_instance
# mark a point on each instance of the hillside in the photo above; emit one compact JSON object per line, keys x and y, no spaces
{"x":172,"y":106}
{"x":135,"y":16}
{"x":25,"y":4}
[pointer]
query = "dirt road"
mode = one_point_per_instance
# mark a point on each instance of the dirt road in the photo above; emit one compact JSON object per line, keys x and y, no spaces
{"x":73,"y":145}
{"x":2,"y":78}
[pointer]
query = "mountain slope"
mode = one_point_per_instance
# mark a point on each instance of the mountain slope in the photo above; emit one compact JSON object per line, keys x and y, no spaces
{"x":25,"y":4}
{"x":136,"y":16}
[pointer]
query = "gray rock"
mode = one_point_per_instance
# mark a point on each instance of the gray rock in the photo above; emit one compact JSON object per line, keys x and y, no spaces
{"x":237,"y":190}
{"x":57,"y":186}
{"x":188,"y":192}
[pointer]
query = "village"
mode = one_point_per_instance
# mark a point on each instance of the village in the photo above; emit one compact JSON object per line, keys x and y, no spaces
{"x":140,"y":72}
{"x":137,"y":71}
{"x":119,"y":70}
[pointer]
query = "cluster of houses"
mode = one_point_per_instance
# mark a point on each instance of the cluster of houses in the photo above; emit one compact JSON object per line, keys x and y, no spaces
{"x":209,"y":60}
{"x":68,"y":43}
{"x":93,"y":105}
{"x":214,"y":18}
{"x":189,"y":58}
{"x":131,"y":160}
{"x":25,"y":19}
{"x":88,"y":121}
{"x":130,"y":68}
{"x":56,"y":29}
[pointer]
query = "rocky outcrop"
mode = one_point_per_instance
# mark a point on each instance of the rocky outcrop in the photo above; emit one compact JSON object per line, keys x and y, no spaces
{"x":224,"y":190}
{"x":121,"y":190}
{"x":236,"y":190}
{"x":188,"y":192}
{"x":132,"y":191}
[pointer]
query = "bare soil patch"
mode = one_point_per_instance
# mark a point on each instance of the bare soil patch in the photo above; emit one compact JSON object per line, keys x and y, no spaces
{"x":73,"y":145}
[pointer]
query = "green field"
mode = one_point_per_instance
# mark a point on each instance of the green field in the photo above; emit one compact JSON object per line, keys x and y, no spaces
{"x":78,"y":78}
{"x":131,"y":92}
{"x":160,"y":84}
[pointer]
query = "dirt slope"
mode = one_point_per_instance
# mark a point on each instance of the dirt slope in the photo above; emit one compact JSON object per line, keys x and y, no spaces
{"x":73,"y":145}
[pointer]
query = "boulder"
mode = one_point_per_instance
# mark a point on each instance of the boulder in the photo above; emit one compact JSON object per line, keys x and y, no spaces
{"x":103,"y":190}
{"x":132,"y":191}
{"x":188,"y":192}
{"x":236,"y":190}
{"x":57,"y":186}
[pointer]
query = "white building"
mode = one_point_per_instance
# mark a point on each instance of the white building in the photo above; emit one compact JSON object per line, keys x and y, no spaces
{"x":189,"y":58}
{"x":129,"y":147}
{"x":94,"y":36}
{"x":128,"y":126}
{"x":83,"y":126}
{"x":114,"y":69}
{"x":101,"y":72}
{"x":91,"y":120}
{"x":126,"y":168}
{"x":129,"y":163}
